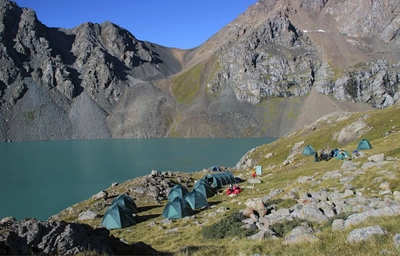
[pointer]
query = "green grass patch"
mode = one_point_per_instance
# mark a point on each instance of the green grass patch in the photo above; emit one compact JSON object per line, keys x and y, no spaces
{"x":227,"y":227}
{"x":185,"y":86}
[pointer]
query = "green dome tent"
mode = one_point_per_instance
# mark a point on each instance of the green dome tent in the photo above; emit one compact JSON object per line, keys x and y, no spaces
{"x":196,"y":199}
{"x":204,"y":187}
{"x":364,"y":145}
{"x":118,"y":216}
{"x":218,"y":180}
{"x":342,"y":155}
{"x":308,"y":150}
{"x":126,"y":201}
{"x":177,"y":208}
{"x":177,"y":191}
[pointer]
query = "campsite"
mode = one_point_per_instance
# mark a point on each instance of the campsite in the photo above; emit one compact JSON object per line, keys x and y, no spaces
{"x":289,"y":182}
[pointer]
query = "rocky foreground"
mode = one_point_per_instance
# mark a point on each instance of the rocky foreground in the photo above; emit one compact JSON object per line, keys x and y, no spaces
{"x":31,"y":236}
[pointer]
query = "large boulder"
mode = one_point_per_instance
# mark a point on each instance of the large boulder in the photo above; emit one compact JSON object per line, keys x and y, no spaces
{"x":363,"y":234}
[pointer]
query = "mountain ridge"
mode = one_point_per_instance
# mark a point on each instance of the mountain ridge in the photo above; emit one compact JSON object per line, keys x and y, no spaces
{"x":248,"y":80}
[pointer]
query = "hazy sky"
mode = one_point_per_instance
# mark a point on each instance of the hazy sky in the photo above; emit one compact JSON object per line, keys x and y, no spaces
{"x":174,"y":23}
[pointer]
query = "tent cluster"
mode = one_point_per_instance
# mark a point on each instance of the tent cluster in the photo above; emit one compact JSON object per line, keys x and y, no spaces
{"x":182,"y":203}
{"x":308,"y":150}
{"x":121,"y":213}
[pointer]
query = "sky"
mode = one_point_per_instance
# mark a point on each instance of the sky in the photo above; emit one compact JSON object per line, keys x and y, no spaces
{"x":182,"y":24}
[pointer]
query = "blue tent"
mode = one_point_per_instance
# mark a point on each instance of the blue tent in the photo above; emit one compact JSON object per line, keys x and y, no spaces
{"x":196,"y":199}
{"x":218,"y":180}
{"x":364,"y":144}
{"x":308,"y":150}
{"x":177,"y":191}
{"x":205,"y":188}
{"x":118,"y":216}
{"x":177,"y":208}
{"x":342,"y":155}
{"x":126,"y":201}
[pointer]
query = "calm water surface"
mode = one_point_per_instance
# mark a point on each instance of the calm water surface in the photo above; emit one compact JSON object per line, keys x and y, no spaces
{"x":40,"y":179}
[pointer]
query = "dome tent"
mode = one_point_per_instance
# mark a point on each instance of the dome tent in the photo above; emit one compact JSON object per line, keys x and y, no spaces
{"x":204,"y":187}
{"x":126,"y":201}
{"x":118,"y":216}
{"x":308,"y":150}
{"x":364,"y":144}
{"x":177,"y":191}
{"x":177,"y":208}
{"x":196,"y":199}
{"x":342,"y":155}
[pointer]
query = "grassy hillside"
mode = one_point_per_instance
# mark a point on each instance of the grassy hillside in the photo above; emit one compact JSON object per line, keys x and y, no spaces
{"x":189,"y":236}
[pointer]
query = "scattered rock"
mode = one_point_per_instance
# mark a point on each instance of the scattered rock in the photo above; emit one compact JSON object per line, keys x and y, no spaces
{"x":312,"y":212}
{"x":88,"y":215}
{"x":300,"y":234}
{"x":257,"y":205}
{"x":263,"y":234}
{"x":174,"y":231}
{"x":377,"y":158}
{"x":254,"y":180}
{"x":338,"y":224}
{"x":363,"y":234}
{"x":102,"y":194}
{"x":396,"y":241}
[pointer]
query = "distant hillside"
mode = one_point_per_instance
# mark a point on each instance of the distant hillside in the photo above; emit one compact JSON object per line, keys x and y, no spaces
{"x":261,"y":75}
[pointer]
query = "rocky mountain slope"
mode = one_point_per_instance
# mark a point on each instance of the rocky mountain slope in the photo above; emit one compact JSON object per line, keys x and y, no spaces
{"x":256,"y":77}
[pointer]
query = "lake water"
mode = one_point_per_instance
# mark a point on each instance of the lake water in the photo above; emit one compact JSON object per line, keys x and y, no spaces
{"x":40,"y":179}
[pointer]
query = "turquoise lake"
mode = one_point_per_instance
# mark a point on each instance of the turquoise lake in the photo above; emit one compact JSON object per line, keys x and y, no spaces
{"x":40,"y":179}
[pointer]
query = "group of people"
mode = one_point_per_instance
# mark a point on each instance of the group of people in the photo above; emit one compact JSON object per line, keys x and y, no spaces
{"x":324,"y":156}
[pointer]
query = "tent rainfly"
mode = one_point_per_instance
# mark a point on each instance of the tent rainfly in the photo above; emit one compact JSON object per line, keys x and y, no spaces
{"x":196,"y":199}
{"x":308,"y":150}
{"x":126,"y":201}
{"x":177,"y":208}
{"x":218,"y":180}
{"x":364,"y":144}
{"x":342,"y":155}
{"x":118,"y":216}
{"x":205,"y":188}
{"x":177,"y":191}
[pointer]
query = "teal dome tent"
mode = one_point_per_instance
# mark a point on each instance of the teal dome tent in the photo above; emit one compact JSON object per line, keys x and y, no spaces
{"x":126,"y":201}
{"x":177,"y":191}
{"x":177,"y":208}
{"x":196,"y":199}
{"x":118,"y":216}
{"x":364,"y":144}
{"x":204,"y":187}
{"x":308,"y":150}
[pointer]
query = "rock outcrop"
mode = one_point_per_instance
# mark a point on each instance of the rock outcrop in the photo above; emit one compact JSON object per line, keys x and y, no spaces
{"x":30,"y":236}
